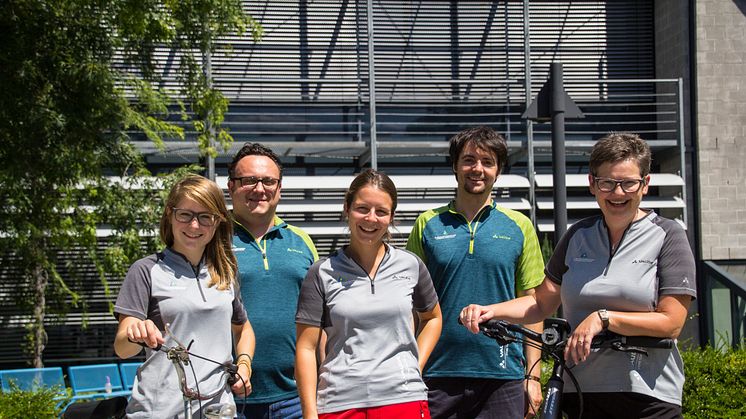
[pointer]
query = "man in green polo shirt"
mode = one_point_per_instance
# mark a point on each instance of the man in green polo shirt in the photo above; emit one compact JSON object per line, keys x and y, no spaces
{"x":476,"y":250}
{"x":273,"y":258}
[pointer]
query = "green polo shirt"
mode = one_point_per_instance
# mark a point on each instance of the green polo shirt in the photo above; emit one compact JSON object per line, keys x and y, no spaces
{"x":271,"y":272}
{"x":480,"y":262}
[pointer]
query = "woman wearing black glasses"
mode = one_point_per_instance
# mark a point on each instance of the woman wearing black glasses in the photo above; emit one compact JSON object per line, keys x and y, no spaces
{"x":627,"y":270}
{"x":188,"y":289}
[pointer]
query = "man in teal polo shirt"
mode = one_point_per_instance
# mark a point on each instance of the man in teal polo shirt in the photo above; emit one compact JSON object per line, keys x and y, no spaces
{"x":476,"y":250}
{"x":273,"y":258}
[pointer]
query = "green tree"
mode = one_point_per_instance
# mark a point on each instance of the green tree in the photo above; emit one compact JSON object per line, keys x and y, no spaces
{"x":65,"y":115}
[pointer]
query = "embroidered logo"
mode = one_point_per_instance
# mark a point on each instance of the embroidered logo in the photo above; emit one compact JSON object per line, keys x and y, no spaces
{"x":291,"y":250}
{"x":583,"y":258}
{"x":445,"y":235}
{"x":345,"y":282}
{"x":648,"y":261}
{"x":402,"y":277}
{"x":502,"y":237}
{"x":238,"y":249}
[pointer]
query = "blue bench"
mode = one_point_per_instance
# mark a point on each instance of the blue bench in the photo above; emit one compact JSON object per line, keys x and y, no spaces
{"x":32,"y":378}
{"x":89,"y":381}
{"x":128,"y":372}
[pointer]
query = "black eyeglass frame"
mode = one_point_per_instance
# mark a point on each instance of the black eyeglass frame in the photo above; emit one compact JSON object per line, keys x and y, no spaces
{"x":252,"y":181}
{"x":619,"y":182}
{"x":213,"y":218}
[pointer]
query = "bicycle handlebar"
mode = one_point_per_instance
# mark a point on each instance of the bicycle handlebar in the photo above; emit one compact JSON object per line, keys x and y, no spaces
{"x":179,"y":355}
{"x":552,"y":341}
{"x":556,"y":331}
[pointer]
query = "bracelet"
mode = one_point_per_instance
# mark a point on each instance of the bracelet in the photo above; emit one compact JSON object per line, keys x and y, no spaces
{"x":533,"y":378}
{"x":248,"y":365}
{"x":246,"y":355}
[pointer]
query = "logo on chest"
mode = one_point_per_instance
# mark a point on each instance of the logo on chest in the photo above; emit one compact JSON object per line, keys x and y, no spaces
{"x":645,"y":261}
{"x":445,"y":236}
{"x":345,"y":282}
{"x":583,"y":258}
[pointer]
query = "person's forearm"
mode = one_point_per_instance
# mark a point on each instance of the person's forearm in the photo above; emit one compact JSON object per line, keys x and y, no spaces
{"x":245,"y":340}
{"x":524,"y":310}
{"x":429,"y":333}
{"x":306,"y":377}
{"x":306,"y":368}
{"x":532,"y":353}
{"x":667,"y":322}
{"x":123,"y":347}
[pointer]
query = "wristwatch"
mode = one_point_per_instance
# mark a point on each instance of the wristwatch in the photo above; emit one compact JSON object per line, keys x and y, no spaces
{"x":604,"y":316}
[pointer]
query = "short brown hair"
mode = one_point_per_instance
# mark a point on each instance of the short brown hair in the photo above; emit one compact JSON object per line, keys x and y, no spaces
{"x":253,"y":149}
{"x":483,"y":137}
{"x":620,"y":146}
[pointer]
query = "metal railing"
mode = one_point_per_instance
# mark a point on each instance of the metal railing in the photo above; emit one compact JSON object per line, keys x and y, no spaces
{"x":724,"y":300}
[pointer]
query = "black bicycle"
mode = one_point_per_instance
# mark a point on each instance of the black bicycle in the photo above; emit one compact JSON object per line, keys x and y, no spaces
{"x":552,"y":343}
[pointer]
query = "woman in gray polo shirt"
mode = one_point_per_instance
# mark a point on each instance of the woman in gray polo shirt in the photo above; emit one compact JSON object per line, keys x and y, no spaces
{"x":363,"y":296}
{"x":189,"y":286}
{"x":629,"y":271}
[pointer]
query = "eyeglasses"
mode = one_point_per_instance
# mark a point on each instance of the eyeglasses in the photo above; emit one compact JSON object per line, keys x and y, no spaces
{"x":206,"y":219}
{"x":608,"y":185}
{"x":252,"y":181}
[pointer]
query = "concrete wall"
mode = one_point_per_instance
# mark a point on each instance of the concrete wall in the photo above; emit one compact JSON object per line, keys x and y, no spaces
{"x":672,"y":62}
{"x":721,"y":120}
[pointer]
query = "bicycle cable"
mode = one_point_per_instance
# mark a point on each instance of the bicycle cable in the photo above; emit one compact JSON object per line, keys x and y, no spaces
{"x":551,"y":353}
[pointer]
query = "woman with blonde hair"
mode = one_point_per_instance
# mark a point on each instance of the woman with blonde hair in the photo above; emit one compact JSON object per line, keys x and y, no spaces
{"x":189,"y":290}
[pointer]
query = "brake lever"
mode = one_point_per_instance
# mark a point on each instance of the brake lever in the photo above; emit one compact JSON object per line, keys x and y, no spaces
{"x":499,"y":333}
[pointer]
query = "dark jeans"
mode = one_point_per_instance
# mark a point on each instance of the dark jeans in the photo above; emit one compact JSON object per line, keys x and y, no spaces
{"x":284,"y":409}
{"x":472,"y":398}
{"x":619,"y":406}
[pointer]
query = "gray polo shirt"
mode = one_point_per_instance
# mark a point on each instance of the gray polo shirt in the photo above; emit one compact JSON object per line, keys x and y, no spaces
{"x":371,"y":350}
{"x":166,"y":289}
{"x":652,"y":259}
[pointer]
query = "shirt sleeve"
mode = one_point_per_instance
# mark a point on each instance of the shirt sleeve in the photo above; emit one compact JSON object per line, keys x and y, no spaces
{"x":529,"y":270}
{"x":414,"y":242}
{"x":556,"y":266}
{"x":425,"y":298}
{"x":311,"y":302}
{"x":676,"y":267}
{"x":134,"y":296}
{"x":239,"y":316}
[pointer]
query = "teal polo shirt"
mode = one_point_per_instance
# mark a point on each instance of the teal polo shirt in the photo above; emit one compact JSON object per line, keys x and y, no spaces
{"x":271,"y":272}
{"x":484,"y":261}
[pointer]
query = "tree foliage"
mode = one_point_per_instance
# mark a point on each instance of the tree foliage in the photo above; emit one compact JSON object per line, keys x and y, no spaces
{"x":65,"y":114}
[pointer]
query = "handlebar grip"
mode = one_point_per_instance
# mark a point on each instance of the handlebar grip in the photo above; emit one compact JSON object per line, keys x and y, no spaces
{"x":157,"y":348}
{"x":649,"y":342}
{"x":232,"y":370}
{"x":492,"y":324}
{"x":489,"y":324}
{"x":608,"y":340}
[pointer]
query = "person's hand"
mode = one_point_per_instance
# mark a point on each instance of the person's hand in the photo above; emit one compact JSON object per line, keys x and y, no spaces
{"x":579,"y":343}
{"x":242,"y":386}
{"x":533,"y":398}
{"x":145,"y":332}
{"x":474,"y":314}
